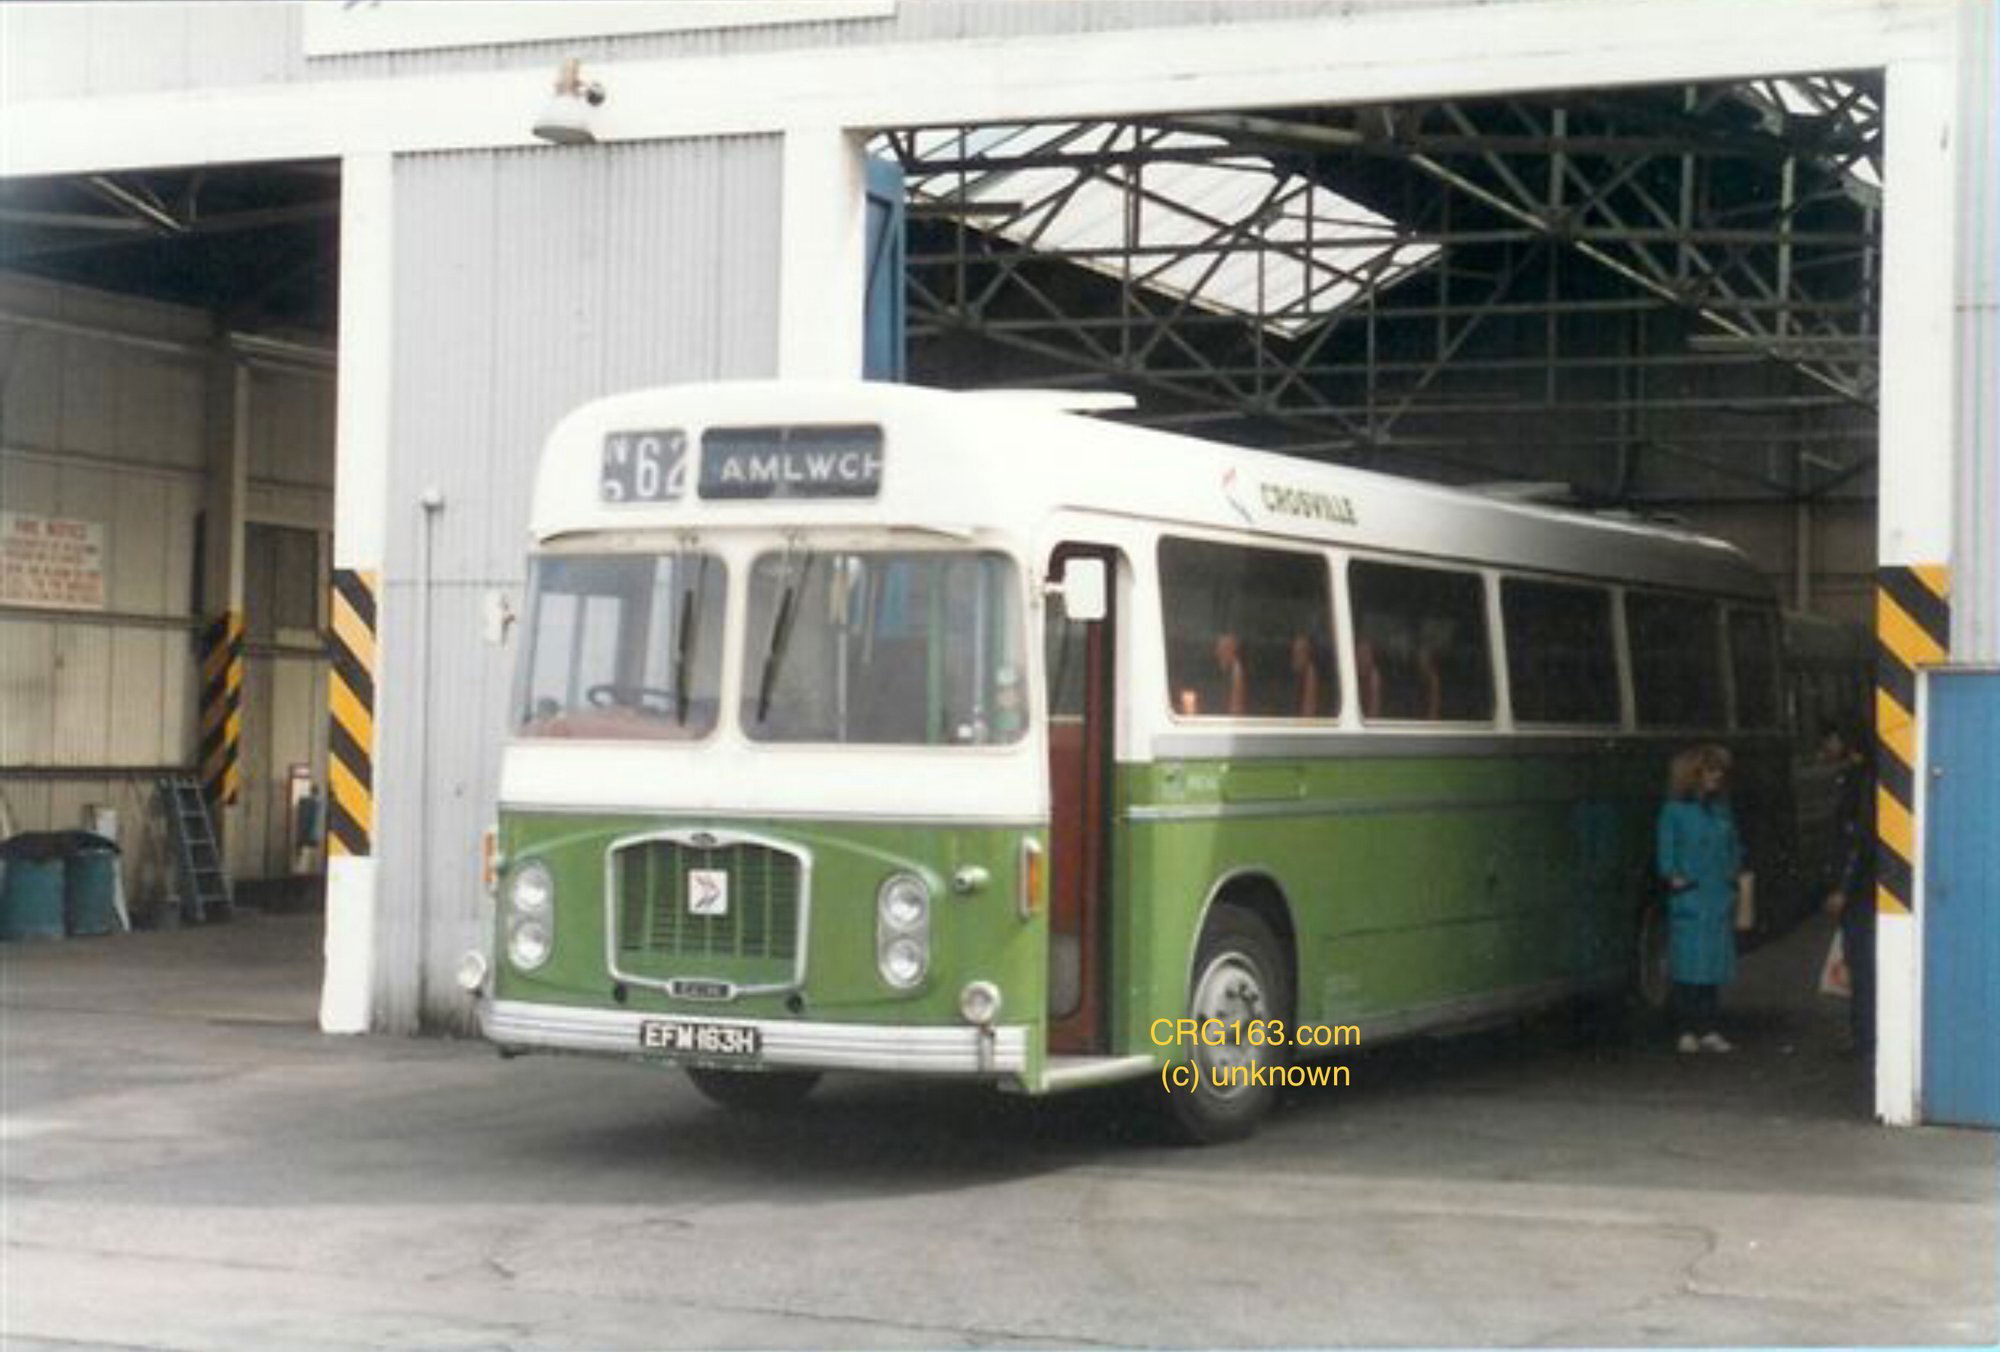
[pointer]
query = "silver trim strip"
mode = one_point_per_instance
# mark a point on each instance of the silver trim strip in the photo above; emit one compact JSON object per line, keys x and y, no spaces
{"x":926,"y":1050}
{"x":1081,"y":1072}
{"x":1341,"y":807}
{"x":1015,"y":822}
{"x":1391,"y":743}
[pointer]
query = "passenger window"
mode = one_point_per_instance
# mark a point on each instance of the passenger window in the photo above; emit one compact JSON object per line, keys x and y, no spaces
{"x":1753,"y":663}
{"x":1248,"y":631}
{"x":1562,"y":658}
{"x":1420,"y":643}
{"x":1676,"y":660}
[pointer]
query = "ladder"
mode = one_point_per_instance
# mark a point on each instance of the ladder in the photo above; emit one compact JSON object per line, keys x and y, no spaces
{"x":200,"y":880}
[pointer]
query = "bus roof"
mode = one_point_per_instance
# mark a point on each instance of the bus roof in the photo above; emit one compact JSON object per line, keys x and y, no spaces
{"x":975,"y":464}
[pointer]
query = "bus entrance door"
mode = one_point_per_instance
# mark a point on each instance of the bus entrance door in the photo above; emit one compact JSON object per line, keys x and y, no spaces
{"x":1081,"y":680}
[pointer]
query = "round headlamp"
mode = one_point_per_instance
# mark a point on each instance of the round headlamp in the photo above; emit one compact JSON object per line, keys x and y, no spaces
{"x":904,"y":903}
{"x":902,"y":962}
{"x":531,"y":891}
{"x":528,"y":944}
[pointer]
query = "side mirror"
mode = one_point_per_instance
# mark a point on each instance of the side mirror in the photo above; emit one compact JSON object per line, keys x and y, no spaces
{"x":1085,"y":590}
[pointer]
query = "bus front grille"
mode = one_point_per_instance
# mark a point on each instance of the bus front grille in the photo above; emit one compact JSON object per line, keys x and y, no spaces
{"x":706,"y":906}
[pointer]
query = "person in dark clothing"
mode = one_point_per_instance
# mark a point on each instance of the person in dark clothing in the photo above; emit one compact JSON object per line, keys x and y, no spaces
{"x":1853,"y":897}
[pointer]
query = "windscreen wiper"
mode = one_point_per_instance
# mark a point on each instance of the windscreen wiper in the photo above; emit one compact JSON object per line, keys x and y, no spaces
{"x":781,"y":630}
{"x":684,"y":640}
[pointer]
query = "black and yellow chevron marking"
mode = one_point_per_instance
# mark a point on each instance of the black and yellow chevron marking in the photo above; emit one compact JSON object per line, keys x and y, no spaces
{"x":1912,"y":629}
{"x":221,"y":709}
{"x":351,"y":696}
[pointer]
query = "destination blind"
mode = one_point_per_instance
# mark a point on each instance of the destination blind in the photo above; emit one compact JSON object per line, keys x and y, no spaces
{"x":792,"y":462}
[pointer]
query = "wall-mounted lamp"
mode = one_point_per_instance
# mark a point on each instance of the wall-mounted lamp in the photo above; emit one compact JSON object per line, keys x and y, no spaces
{"x":566,"y":119}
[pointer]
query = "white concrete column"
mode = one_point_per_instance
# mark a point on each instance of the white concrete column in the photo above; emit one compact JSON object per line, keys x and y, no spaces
{"x":1920,"y":228}
{"x":360,"y":508}
{"x":823,"y":240}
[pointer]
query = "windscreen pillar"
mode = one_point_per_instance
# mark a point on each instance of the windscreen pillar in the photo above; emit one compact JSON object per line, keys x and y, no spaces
{"x":360,"y":509}
{"x":1924,"y":372}
{"x":823,"y":255}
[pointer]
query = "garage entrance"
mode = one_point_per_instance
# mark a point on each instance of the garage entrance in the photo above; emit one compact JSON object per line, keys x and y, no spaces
{"x":165,"y":341}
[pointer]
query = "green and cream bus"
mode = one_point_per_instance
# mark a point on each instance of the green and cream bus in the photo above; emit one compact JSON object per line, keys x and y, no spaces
{"x":867,"y":727}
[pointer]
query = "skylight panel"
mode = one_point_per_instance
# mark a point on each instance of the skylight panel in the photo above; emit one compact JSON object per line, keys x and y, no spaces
{"x":1227,"y":233}
{"x":1828,"y":99}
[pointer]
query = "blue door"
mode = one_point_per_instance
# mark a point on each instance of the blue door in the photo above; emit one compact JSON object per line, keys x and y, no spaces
{"x":1961,"y":1081}
{"x":882,"y":348}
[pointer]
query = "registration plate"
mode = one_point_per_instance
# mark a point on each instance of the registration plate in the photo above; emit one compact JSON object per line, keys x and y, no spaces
{"x":735,"y":1041}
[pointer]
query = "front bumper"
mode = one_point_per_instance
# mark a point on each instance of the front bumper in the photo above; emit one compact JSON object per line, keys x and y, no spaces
{"x":1002,"y":1051}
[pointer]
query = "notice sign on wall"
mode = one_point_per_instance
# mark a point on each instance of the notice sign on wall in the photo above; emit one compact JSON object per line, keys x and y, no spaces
{"x":51,"y":562}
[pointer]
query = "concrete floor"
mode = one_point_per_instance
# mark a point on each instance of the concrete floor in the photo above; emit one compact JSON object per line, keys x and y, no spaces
{"x":188,"y":1163}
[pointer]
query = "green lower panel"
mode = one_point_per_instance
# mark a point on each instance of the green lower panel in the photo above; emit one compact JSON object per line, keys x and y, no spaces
{"x":1413,"y":884}
{"x":1411,"y":887}
{"x":806,"y":894}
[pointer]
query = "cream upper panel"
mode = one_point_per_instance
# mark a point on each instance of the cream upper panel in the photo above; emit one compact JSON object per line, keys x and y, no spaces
{"x":976,"y":464}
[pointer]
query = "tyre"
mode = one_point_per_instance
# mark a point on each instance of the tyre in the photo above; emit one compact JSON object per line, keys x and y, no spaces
{"x":1239,"y":976}
{"x":753,"y":1091}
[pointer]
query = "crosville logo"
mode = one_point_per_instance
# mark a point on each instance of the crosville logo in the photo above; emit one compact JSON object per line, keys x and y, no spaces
{"x":1229,"y":495}
{"x":1283,"y":500}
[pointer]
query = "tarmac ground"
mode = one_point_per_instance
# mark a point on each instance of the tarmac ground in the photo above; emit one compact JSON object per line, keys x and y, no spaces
{"x":186,"y":1162}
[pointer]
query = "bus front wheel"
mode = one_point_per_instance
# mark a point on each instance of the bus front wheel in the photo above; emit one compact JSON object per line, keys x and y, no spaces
{"x":753,"y":1091}
{"x":1239,"y":980}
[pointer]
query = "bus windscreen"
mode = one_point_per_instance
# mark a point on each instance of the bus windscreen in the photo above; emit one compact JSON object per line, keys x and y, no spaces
{"x":622,"y":646}
{"x":903,"y":648}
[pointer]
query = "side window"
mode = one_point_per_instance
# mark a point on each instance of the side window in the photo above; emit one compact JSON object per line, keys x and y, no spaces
{"x":1562,"y":658}
{"x":1676,"y":660}
{"x":1248,"y":631}
{"x":1753,"y":665}
{"x":1420,"y":643}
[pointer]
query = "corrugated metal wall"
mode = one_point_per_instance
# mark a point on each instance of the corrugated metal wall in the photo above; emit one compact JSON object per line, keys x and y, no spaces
{"x":54,"y":51}
{"x":103,"y":417}
{"x":59,"y":51}
{"x":1976,"y":567}
{"x":112,"y":433}
{"x":526,"y":282}
{"x":914,"y":21}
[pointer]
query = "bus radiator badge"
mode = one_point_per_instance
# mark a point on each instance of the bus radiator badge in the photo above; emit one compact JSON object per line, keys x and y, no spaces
{"x":708,"y":891}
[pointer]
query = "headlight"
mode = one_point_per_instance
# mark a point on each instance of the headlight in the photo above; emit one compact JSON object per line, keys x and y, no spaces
{"x":532,"y":890}
{"x":903,"y":930}
{"x":528,"y":944}
{"x":903,"y":962}
{"x":531,"y":902}
{"x":904,"y":903}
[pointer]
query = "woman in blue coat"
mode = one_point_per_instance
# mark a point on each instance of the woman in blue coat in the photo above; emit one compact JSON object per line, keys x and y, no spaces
{"x":1699,"y":858}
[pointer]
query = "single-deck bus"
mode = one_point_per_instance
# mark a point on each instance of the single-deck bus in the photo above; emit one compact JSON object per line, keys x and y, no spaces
{"x":868,"y":727}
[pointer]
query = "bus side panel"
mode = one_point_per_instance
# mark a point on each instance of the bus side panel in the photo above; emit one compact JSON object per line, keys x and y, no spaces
{"x":1415,"y":884}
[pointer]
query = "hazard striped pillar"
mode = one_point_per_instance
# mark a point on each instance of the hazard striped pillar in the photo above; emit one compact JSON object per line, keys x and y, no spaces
{"x":355,"y":694}
{"x":220,"y":754}
{"x":351,"y":697}
{"x":1912,"y":630}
